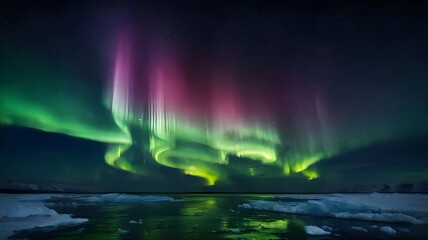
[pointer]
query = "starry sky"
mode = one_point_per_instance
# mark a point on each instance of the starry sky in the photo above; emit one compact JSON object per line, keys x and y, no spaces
{"x":215,"y":96}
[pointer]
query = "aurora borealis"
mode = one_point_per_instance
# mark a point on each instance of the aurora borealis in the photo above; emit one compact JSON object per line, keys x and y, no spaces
{"x":224,"y":96}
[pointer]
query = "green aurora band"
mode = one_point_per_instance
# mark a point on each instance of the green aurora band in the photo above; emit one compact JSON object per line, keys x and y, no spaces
{"x":202,"y":148}
{"x":34,"y":98}
{"x":206,"y":148}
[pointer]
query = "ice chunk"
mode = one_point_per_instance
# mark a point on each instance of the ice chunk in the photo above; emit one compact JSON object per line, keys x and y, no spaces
{"x":13,"y":208}
{"x":140,"y":221}
{"x":246,"y":205}
{"x":342,"y":206}
{"x":122,"y":231}
{"x":380,"y":217}
{"x":314,"y":230}
{"x":360,"y":229}
{"x":384,"y":201}
{"x":235,"y":230}
{"x":388,"y":230}
{"x":125,"y":198}
{"x":390,"y":201}
{"x":19,"y":212}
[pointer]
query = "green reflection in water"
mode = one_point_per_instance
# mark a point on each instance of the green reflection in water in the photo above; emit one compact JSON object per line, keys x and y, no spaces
{"x":196,"y":217}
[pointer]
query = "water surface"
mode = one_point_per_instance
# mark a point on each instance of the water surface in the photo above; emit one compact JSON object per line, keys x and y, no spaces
{"x":205,"y":216}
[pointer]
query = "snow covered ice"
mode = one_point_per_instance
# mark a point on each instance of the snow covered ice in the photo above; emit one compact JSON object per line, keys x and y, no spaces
{"x":404,"y":208}
{"x":385,"y":201}
{"x":360,"y":229}
{"x":388,"y":230}
{"x":28,"y":211}
{"x":21,"y":212}
{"x":314,"y":230}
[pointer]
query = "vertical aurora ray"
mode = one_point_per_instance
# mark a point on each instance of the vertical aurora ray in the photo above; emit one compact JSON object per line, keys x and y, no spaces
{"x":121,"y":94}
{"x":182,"y":139}
{"x":196,"y":146}
{"x":121,"y":104}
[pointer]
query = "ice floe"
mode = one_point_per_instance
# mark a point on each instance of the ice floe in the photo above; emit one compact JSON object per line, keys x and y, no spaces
{"x":360,"y":229}
{"x":22,"y":212}
{"x":388,"y":230}
{"x":368,"y":207}
{"x":314,"y":230}
{"x":384,"y":201}
{"x":140,"y":221}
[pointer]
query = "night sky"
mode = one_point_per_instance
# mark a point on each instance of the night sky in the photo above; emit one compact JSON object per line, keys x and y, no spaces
{"x":214,"y":96}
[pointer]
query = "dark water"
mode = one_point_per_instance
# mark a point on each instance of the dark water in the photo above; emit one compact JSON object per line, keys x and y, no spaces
{"x":204,"y":217}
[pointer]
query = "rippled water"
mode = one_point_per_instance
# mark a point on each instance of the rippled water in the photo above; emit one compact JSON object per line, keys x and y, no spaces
{"x":204,"y":217}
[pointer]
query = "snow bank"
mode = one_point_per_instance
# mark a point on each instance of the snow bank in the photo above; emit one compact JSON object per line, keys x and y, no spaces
{"x":20,"y":212}
{"x":125,"y":198}
{"x":314,"y":230}
{"x":368,"y":207}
